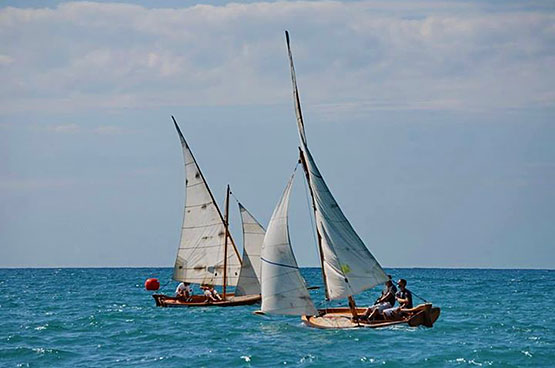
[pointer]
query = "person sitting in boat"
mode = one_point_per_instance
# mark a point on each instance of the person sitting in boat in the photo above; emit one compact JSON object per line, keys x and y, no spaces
{"x":215,"y":293}
{"x":211,"y":294}
{"x":404,"y":298}
{"x":385,"y":301}
{"x":184,"y":290}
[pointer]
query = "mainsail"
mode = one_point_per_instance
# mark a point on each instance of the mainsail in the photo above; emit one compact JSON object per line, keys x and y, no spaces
{"x":200,"y":257}
{"x":253,"y":237}
{"x":348,"y":266}
{"x":283,"y":288}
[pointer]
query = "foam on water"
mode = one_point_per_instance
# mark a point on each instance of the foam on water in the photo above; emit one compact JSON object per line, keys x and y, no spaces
{"x":104,"y":317}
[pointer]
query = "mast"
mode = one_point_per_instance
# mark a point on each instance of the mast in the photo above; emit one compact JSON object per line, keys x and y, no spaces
{"x":226,"y":223}
{"x":302,"y":136}
{"x":350,"y":265}
{"x":320,"y":250}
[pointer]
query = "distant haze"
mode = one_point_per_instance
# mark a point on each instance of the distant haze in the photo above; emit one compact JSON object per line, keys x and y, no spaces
{"x":432,"y":122}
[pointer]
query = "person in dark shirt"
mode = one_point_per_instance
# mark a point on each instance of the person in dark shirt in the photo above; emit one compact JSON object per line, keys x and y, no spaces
{"x":385,"y":301}
{"x":404,"y":296}
{"x":388,"y":293}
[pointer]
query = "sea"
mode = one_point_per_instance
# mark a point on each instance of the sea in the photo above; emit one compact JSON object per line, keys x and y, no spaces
{"x":103,"y":317}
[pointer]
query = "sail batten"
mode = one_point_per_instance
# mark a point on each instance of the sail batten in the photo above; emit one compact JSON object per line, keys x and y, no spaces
{"x":253,"y":237}
{"x":283,"y":288}
{"x":200,"y":256}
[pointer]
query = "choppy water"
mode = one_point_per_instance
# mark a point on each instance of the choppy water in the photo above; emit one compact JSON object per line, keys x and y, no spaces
{"x":103,"y":317}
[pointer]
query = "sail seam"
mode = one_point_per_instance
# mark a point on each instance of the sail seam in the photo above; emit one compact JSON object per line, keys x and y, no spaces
{"x":194,"y":185}
{"x":198,"y":205}
{"x":200,"y":226}
{"x":279,"y":264}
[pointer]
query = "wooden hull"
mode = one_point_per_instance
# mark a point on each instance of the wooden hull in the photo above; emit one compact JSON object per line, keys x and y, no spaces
{"x":341,"y":318}
{"x":200,"y":301}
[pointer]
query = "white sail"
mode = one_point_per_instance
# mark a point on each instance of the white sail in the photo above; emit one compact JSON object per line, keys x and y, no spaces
{"x":200,"y":257}
{"x":348,"y":266}
{"x":283,"y":288}
{"x":253,"y":237}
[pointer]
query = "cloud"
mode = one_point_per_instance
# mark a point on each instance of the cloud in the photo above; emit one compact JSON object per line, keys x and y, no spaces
{"x":72,"y":128}
{"x":64,"y":128}
{"x":18,"y":184}
{"x":352,"y":56}
{"x":5,"y":60}
{"x":108,"y":130}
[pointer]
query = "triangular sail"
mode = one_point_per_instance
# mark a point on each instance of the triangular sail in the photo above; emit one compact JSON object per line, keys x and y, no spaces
{"x":348,"y":266}
{"x":253,"y":237}
{"x":283,"y":288}
{"x":200,"y":257}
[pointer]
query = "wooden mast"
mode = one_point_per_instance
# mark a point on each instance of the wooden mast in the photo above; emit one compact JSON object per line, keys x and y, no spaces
{"x":353,"y":307}
{"x":226,"y":223}
{"x":320,"y":250}
{"x":300,"y":123}
{"x":302,"y":136}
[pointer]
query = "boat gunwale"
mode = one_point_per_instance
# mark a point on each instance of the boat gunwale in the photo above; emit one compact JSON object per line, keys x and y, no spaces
{"x":417,"y":318}
{"x":161,"y":301}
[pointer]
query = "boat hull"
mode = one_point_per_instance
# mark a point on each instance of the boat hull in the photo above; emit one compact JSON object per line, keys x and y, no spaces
{"x":342,"y":318}
{"x":231,"y":300}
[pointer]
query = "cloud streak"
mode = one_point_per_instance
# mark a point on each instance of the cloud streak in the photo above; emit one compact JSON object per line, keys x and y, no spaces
{"x":354,"y":56}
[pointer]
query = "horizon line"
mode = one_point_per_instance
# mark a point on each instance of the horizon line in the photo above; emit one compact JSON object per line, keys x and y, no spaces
{"x":169,"y":267}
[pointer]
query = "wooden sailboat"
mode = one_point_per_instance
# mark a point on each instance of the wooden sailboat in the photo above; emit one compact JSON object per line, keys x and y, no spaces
{"x":348,"y":267}
{"x":204,"y":257}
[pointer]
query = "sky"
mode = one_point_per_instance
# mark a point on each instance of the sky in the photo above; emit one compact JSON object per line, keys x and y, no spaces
{"x":432,"y":122}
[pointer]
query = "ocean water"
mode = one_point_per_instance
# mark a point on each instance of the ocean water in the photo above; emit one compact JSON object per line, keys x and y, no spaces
{"x":104,"y":317}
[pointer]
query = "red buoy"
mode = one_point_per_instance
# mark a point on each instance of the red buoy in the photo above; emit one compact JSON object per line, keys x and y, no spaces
{"x":152,"y":284}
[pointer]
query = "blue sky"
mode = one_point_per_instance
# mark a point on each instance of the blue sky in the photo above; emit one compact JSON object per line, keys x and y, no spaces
{"x":433,"y":123}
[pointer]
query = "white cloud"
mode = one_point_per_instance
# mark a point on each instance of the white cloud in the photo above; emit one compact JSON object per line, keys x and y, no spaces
{"x":353,"y":56}
{"x":108,"y":130}
{"x":13,"y":184}
{"x":64,"y":128}
{"x":5,"y":60}
{"x":72,"y":128}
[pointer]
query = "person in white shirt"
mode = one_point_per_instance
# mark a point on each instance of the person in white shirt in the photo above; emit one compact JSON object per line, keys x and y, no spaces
{"x":183,"y":290}
{"x":215,"y":293}
{"x":211,"y":294}
{"x":208,"y":294}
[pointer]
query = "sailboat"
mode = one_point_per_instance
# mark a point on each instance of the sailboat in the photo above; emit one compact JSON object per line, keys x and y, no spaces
{"x":348,"y":267}
{"x":207,"y":254}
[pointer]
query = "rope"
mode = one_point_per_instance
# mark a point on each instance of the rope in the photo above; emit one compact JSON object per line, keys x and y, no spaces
{"x":419,"y":297}
{"x":233,"y":195}
{"x":166,"y":284}
{"x":237,"y":199}
{"x":311,"y":215}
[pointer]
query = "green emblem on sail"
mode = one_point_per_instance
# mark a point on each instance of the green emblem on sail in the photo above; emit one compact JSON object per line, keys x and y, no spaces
{"x":345,"y":268}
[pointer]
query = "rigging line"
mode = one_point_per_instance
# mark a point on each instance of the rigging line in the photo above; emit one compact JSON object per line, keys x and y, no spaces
{"x":233,"y":195}
{"x":310,"y":214}
{"x":166,"y":284}
{"x":237,"y":199}
{"x":419,"y":297}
